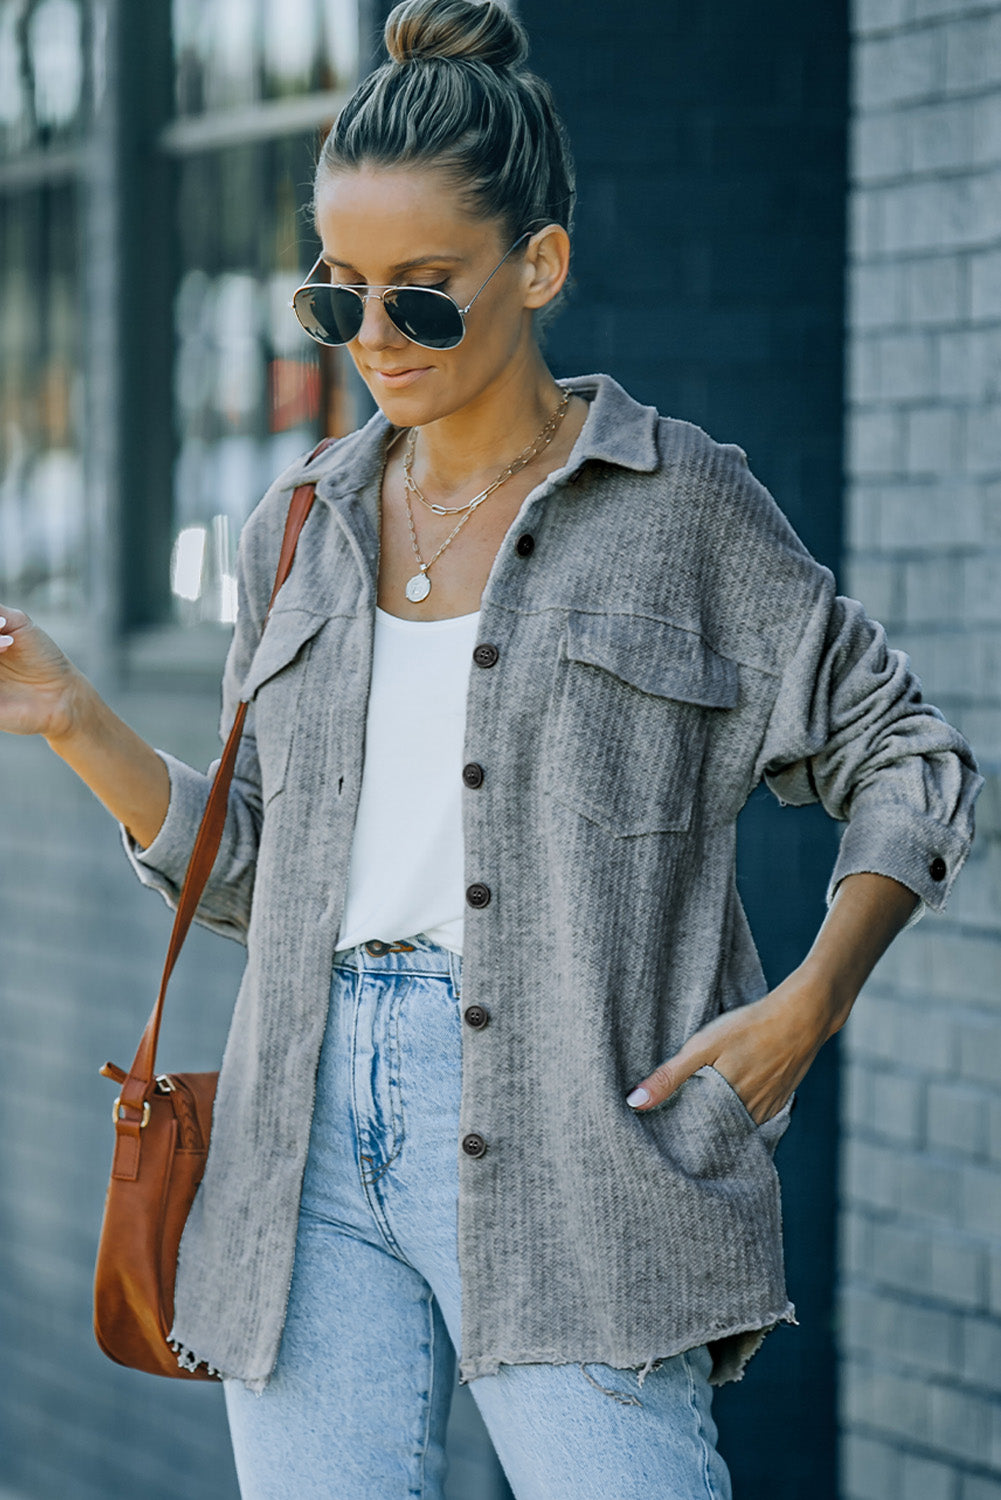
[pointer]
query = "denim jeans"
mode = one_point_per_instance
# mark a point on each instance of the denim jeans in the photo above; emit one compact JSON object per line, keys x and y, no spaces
{"x":357,"y":1405}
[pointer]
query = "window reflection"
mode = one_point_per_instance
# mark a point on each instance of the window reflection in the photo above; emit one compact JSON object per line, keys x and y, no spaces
{"x":250,"y":392}
{"x":41,"y":396}
{"x":234,"y":52}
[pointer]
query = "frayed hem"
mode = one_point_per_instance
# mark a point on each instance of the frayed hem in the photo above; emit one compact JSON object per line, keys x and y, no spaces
{"x":187,"y":1359}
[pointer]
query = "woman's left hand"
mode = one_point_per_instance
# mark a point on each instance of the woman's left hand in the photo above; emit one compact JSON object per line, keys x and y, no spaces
{"x":764,"y":1049}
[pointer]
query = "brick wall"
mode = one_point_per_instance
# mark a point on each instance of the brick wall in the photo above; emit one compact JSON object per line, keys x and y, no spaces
{"x":921,"y":1179}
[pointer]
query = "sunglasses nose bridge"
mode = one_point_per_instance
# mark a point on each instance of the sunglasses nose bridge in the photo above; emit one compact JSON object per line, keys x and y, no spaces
{"x":377,"y":328}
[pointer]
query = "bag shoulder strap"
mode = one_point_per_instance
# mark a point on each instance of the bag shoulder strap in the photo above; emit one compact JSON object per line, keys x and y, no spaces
{"x":140,"y":1082}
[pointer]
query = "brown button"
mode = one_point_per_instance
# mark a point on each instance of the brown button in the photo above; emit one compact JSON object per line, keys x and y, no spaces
{"x":478,"y":895}
{"x":472,"y":774}
{"x":937,"y":868}
{"x":525,"y":545}
{"x":473,"y":1144}
{"x":485,"y":654}
{"x":476,"y":1015}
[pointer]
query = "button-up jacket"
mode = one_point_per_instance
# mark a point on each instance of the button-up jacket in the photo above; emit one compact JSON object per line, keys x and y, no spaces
{"x":665,"y":645}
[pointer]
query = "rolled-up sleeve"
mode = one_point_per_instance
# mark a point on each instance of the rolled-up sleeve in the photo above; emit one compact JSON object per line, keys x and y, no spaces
{"x":850,"y":728}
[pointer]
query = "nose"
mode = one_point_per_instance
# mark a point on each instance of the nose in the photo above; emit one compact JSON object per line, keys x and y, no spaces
{"x":377,"y":329}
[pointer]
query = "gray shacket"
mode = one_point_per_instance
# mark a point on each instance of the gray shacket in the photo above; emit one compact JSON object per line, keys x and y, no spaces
{"x":666,"y":644}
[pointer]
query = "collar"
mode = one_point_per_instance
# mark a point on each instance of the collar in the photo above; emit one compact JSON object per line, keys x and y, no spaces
{"x":617,"y":430}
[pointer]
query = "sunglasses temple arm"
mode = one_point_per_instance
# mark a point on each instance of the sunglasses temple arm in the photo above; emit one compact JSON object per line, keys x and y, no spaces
{"x":493,"y":273}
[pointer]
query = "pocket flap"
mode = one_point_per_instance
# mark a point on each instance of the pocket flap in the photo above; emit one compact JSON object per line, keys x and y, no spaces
{"x":655,"y":657}
{"x":284,"y":636}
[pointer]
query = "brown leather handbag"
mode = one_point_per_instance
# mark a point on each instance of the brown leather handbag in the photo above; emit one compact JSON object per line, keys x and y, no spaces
{"x":162,"y":1121}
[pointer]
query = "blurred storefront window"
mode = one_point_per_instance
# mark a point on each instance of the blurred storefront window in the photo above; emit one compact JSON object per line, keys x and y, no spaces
{"x":250,"y":391}
{"x":46,"y":83}
{"x":255,"y":85}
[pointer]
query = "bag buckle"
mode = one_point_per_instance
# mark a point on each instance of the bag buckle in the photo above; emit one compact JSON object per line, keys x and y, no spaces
{"x":116,"y":1115}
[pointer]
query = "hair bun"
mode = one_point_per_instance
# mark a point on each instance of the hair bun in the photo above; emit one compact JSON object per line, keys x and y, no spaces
{"x":455,"y":30}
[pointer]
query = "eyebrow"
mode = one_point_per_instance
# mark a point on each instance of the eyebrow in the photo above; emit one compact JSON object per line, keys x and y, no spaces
{"x":406,"y":265}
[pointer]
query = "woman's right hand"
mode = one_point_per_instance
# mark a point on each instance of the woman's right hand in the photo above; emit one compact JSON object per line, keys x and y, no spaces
{"x":39,"y":685}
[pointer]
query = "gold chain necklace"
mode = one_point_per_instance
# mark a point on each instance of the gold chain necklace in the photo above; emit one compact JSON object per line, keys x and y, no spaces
{"x":419,"y":586}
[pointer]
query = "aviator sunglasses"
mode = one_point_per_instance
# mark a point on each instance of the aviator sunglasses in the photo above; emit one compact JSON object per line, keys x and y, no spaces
{"x":333,"y":314}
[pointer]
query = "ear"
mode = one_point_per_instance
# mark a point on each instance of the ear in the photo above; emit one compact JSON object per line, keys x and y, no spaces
{"x":547,"y":263}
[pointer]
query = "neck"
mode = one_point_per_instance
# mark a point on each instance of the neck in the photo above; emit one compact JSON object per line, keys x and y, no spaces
{"x":458,"y":451}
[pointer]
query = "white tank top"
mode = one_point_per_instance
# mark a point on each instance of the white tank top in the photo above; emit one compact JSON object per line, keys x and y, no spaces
{"x":406,"y":870}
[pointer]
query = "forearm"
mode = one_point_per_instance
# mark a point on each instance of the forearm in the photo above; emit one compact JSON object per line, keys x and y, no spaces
{"x":121,"y":769}
{"x":865,"y":916}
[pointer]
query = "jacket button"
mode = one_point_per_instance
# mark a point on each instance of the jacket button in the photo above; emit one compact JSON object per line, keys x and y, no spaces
{"x":937,"y":868}
{"x":472,"y":774}
{"x":478,"y":895}
{"x":485,"y":655}
{"x":476,"y":1016}
{"x":525,"y":545}
{"x":473,"y":1144}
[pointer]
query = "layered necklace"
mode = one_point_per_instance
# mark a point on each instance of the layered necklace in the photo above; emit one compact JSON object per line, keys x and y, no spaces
{"x":419,"y":586}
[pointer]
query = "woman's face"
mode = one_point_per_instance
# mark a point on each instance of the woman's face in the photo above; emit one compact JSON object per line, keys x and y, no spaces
{"x":408,"y":227}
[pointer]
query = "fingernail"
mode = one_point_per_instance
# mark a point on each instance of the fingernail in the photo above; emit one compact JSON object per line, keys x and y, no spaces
{"x":638,"y":1096}
{"x":3,"y":620}
{"x":6,"y":640}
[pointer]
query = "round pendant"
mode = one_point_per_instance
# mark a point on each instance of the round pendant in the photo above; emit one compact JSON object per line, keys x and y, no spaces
{"x":418,"y":588}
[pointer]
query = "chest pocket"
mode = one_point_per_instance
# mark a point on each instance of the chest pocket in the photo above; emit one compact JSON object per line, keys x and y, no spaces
{"x":274,"y":687}
{"x":632,"y":705}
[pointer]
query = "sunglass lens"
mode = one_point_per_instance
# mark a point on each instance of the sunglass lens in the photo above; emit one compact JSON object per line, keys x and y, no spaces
{"x":331,"y":314}
{"x":426,"y":317}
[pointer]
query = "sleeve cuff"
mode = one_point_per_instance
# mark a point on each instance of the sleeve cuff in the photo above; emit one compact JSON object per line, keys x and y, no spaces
{"x":890,"y":838}
{"x":163,"y":864}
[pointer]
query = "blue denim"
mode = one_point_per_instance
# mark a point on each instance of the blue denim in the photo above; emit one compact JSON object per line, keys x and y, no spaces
{"x":358,"y":1402}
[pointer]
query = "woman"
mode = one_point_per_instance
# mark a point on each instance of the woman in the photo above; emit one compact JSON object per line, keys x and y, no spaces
{"x":537,"y":647}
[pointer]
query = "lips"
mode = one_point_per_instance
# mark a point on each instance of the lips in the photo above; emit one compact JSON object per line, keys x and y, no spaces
{"x":395,"y":379}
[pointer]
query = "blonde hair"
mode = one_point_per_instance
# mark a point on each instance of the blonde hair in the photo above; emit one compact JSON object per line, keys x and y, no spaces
{"x":455,"y":95}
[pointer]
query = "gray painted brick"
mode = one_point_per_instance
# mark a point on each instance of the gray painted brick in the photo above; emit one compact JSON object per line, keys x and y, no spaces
{"x":971,"y":52}
{"x":926,"y":1479}
{"x":978,"y":1487}
{"x":880,"y":584}
{"x":875,"y":297}
{"x":958,"y":1271}
{"x":985,"y":284}
{"x":906,"y":366}
{"x":982,"y":1353}
{"x":870,"y":1469}
{"x":941,"y":135}
{"x":981,"y":1201}
{"x":968,"y":365}
{"x":957,"y":1119}
{"x":876,"y":442}
{"x":897,"y":1107}
{"x":934,"y":289}
{"x":983,"y":448}
{"x":931,"y":444}
{"x":879,"y":148}
{"x":900,"y":1256}
{"x":870,"y":1175}
{"x":942,"y":213}
{"x":863,"y":371}
{"x":987,"y":129}
{"x":932,"y":1190}
{"x":901,"y":1404}
{"x":900,"y":67}
{"x":980,"y":1048}
{"x":961,"y":1424}
{"x":880,"y":15}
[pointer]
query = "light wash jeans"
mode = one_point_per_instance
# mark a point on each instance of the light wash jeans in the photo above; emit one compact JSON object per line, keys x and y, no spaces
{"x":358,"y":1403}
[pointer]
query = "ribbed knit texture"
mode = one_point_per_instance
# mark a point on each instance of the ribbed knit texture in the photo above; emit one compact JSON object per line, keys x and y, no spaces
{"x":668,"y":643}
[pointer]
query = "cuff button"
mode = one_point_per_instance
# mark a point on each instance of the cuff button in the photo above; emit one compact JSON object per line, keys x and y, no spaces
{"x":937,"y":868}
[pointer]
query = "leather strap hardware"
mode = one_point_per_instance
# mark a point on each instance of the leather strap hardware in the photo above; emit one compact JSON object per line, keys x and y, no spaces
{"x":116,"y":1114}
